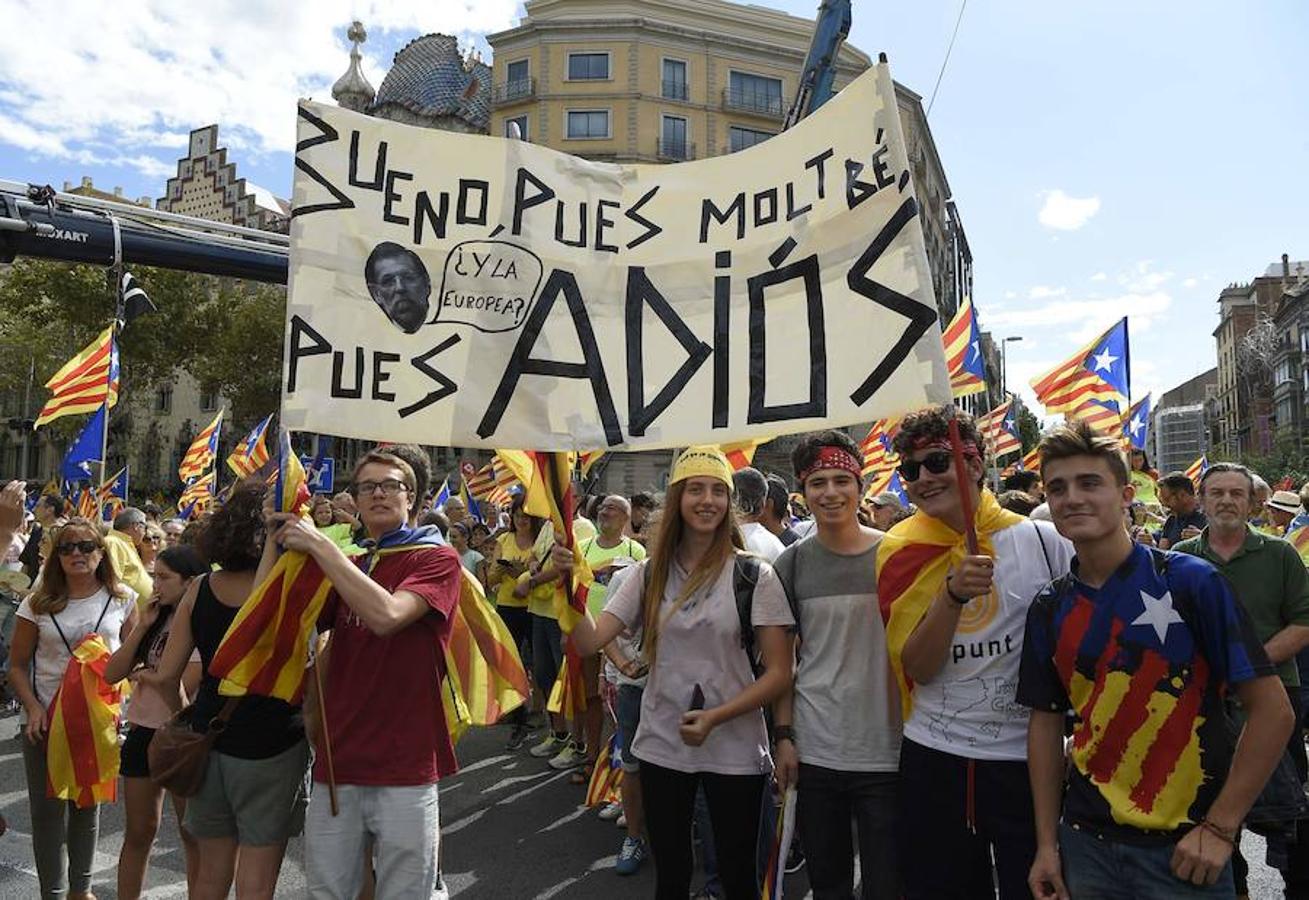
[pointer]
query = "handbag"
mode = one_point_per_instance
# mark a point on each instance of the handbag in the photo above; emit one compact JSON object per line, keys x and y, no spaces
{"x":179,"y":754}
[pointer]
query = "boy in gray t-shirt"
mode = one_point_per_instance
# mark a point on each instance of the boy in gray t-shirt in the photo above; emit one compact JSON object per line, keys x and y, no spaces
{"x":838,"y":729}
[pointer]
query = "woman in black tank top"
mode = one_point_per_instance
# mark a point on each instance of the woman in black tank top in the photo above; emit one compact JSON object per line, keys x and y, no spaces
{"x":255,"y":787}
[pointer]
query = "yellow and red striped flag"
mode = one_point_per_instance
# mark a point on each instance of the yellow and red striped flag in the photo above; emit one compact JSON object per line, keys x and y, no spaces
{"x":1299,"y":539}
{"x":1098,"y":371}
{"x":480,"y":482}
{"x":87,"y":507}
{"x":963,"y":352}
{"x":999,"y":428}
{"x":1103,"y":417}
{"x":197,"y":496}
{"x":113,"y":493}
{"x":586,"y":461}
{"x":741,"y":453}
{"x":251,"y":453}
{"x":82,"y":747}
{"x":200,"y":455}
{"x":486,"y":675}
{"x":879,"y":458}
{"x":1197,"y":469}
{"x":84,"y":383}
{"x":607,"y":776}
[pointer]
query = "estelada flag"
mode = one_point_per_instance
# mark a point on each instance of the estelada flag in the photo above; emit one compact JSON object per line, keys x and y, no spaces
{"x":85,"y":383}
{"x":87,"y":507}
{"x":963,"y":352}
{"x":1197,"y":469}
{"x":485,"y":678}
{"x":251,"y":453}
{"x":607,"y":776}
{"x":200,"y":455}
{"x":912,"y":561}
{"x":82,"y":747}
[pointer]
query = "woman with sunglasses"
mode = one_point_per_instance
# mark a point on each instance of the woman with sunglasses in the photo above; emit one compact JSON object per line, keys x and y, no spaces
{"x":151,"y":544}
{"x":150,"y":709}
{"x":954,"y":633}
{"x":701,"y":723}
{"x":78,"y":594}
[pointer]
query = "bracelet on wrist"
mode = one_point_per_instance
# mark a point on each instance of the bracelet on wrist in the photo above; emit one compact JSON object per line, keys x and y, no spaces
{"x":1228,"y":836}
{"x":783,"y":733}
{"x":962,"y":601}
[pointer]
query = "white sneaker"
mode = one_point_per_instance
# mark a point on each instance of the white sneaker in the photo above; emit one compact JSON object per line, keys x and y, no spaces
{"x":568,"y":758}
{"x":548,"y":747}
{"x":611,"y":811}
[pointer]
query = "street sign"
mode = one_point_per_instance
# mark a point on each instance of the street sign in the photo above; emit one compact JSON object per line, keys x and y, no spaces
{"x":321,"y":478}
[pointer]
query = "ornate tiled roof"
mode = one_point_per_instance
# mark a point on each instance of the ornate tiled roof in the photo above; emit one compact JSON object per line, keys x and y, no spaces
{"x":352,"y":89}
{"x":430,"y":78}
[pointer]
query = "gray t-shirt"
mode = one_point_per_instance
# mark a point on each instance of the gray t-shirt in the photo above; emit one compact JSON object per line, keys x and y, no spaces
{"x":701,"y":644}
{"x":846,"y":714}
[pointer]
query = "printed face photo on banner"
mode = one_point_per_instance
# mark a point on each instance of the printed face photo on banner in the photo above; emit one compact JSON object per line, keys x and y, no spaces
{"x":582,"y":305}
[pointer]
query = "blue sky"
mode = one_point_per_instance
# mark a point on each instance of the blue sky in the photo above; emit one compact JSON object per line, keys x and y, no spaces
{"x":1107,"y":159}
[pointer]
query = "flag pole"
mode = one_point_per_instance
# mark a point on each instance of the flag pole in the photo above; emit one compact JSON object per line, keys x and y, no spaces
{"x":965,"y":489}
{"x":323,"y":737}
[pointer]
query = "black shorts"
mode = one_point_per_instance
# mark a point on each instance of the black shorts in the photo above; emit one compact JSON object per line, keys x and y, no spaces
{"x":134,"y":757}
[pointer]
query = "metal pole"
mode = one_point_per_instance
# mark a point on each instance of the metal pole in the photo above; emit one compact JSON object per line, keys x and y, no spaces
{"x":24,"y":458}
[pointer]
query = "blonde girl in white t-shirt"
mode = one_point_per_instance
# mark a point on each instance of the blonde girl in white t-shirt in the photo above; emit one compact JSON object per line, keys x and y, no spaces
{"x":78,"y":593}
{"x":702,"y":721}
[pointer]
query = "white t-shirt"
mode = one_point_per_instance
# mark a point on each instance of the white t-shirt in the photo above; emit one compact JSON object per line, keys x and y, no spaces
{"x":761,"y":542}
{"x":77,"y":620}
{"x":701,"y":644}
{"x":969,"y":709}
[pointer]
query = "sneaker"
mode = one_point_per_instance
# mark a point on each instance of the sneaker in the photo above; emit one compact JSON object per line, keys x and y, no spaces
{"x":571,"y":757}
{"x":516,"y":738}
{"x":611,"y":811}
{"x":548,"y":747}
{"x":630,"y":857}
{"x":794,"y":859}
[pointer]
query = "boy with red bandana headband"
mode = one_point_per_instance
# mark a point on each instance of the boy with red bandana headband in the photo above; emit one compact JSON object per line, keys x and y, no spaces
{"x":954,"y":629}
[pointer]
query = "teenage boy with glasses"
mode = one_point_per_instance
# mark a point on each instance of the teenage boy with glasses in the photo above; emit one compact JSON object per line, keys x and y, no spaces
{"x":954,"y":631}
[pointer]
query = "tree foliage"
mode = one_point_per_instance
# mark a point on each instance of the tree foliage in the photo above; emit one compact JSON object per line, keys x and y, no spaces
{"x":1029,"y":427}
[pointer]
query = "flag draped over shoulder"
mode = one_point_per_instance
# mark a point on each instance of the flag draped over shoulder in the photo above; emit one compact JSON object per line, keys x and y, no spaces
{"x":484,"y":675}
{"x":86,"y":382}
{"x":1098,"y":371}
{"x":82,"y":747}
{"x":912,"y":561}
{"x":963,"y":352}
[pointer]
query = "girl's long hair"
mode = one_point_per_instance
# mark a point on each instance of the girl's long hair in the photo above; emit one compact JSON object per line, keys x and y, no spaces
{"x":663,"y":553}
{"x":187,"y":563}
{"x":51,"y":595}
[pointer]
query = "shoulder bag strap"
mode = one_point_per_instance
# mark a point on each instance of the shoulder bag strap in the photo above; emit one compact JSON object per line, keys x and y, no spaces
{"x":1049,"y":567}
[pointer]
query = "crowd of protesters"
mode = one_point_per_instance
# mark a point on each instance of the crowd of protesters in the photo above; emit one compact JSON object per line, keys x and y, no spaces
{"x":1050,"y":690}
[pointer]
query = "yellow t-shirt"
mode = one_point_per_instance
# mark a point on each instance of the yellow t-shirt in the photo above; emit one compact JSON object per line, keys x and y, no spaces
{"x":507,"y":548}
{"x":597,"y":556}
{"x":1146,"y":487}
{"x":127,"y":565}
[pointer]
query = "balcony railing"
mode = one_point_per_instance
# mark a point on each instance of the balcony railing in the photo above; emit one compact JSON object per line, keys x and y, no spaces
{"x":676,"y":150}
{"x":755,"y":102}
{"x":513,"y":91}
{"x":675,"y":90}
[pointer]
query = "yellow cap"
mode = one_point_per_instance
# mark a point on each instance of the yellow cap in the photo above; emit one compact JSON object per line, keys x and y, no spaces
{"x":702,"y":462}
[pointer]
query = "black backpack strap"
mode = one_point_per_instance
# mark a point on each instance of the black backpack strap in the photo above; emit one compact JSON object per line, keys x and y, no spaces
{"x":745,"y":576}
{"x":1049,"y":566}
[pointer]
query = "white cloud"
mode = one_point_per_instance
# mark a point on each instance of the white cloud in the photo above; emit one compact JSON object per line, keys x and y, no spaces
{"x":1190,"y":282}
{"x":1043,"y":292}
{"x":1011,"y":295}
{"x":139,"y":76}
{"x":1143,"y":279}
{"x":1065,"y":213}
{"x":1080,"y":320}
{"x":1099,"y":276}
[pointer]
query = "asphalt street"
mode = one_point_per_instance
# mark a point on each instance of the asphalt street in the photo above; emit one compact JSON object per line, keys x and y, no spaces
{"x":511,"y":828}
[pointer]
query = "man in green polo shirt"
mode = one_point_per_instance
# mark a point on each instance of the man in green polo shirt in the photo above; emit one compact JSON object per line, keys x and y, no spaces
{"x":1271,"y":583}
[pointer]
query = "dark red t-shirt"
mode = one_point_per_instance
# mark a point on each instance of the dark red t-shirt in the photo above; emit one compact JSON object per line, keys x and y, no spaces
{"x":384,"y":710}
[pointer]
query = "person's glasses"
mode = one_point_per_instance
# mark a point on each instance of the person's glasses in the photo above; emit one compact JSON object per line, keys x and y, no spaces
{"x":86,"y":548}
{"x":153,"y":539}
{"x":937,"y":462}
{"x":389,"y":487}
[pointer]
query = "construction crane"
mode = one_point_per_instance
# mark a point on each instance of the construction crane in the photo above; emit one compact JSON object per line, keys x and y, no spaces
{"x":36,"y":220}
{"x":830,"y":31}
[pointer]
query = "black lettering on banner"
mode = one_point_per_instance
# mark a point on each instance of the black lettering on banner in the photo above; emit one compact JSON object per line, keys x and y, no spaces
{"x":339,"y":390}
{"x":793,"y":211}
{"x":522,"y":363}
{"x":326,"y":135}
{"x":722,"y":340}
{"x":380,"y":375}
{"x":300,"y":328}
{"x":758,"y":410}
{"x":447,"y":387}
{"x":856,"y":191}
{"x":765,"y":198}
{"x":819,"y":163}
{"x":921,"y":316}
{"x":640,"y":293}
{"x":468,"y":186}
{"x":634,"y":213}
{"x":602,"y":222}
{"x":881,"y":171}
{"x":523,"y":202}
{"x":379,"y":171}
{"x":581,"y":225}
{"x":391,"y":195}
{"x":423,"y":212}
{"x":708,"y":210}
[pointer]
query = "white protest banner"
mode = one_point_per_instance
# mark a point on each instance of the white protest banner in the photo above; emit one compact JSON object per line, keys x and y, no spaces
{"x":471,"y":291}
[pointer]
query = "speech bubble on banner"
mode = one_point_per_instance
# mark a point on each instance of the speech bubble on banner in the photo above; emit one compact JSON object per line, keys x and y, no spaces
{"x":489,"y":285}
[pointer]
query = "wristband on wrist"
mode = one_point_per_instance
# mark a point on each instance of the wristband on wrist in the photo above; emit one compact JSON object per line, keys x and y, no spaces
{"x":783,"y":733}
{"x":1223,"y":834}
{"x":962,"y":601}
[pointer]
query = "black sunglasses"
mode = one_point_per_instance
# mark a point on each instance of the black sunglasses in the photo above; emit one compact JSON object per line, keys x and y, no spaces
{"x":937,"y":462}
{"x":86,"y":548}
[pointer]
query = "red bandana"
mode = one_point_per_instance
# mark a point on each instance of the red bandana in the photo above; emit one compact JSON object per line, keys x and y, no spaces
{"x":833,"y":458}
{"x":927,"y":443}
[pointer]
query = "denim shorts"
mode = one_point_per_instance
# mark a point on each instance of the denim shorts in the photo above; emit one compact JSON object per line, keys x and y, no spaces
{"x":629,"y":716}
